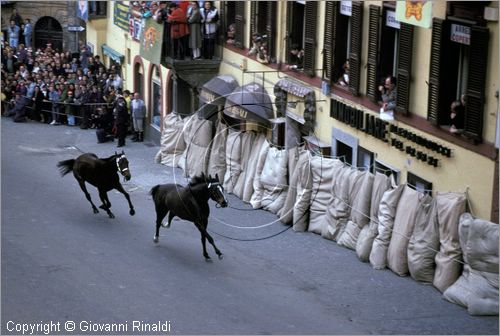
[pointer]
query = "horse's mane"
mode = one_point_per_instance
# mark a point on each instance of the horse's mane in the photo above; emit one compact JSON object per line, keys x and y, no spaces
{"x":198,"y":179}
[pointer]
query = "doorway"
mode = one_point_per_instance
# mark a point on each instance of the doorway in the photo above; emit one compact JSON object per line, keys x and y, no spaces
{"x":48,"y":30}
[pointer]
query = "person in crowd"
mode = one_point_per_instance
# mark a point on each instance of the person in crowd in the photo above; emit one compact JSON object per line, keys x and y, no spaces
{"x":194,"y":20}
{"x":457,"y":115}
{"x":18,"y":111}
{"x":13,"y":31}
{"x":54,"y":96}
{"x":103,"y":121}
{"x":18,"y":20}
{"x":121,"y":119}
{"x":10,"y":63}
{"x":35,"y":113}
{"x":22,"y":54}
{"x":209,"y":19}
{"x":138,"y":114}
{"x":28,"y":33}
{"x":256,"y":43}
{"x":344,"y":79}
{"x":70,"y":108}
{"x":83,"y":99}
{"x":178,"y":29}
{"x":388,"y":92}
{"x":231,"y":34}
{"x":296,"y":57}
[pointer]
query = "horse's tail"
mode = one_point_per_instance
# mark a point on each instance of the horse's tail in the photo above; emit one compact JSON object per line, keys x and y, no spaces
{"x":66,"y":166}
{"x":154,"y":190}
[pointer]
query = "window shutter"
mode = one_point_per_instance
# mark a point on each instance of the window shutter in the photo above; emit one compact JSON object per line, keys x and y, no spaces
{"x":253,"y":19}
{"x":329,"y":41}
{"x":476,"y":83}
{"x":240,"y":24}
{"x":373,"y":43}
{"x":355,"y":55}
{"x":289,"y":28}
{"x":433,"y":103}
{"x":271,"y":28}
{"x":310,"y":37}
{"x":404,"y":68}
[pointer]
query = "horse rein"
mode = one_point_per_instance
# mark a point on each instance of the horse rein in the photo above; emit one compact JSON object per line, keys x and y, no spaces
{"x":218,"y":185}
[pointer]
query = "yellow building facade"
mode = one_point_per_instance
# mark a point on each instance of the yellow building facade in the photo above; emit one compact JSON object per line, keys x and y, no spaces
{"x":455,"y":54}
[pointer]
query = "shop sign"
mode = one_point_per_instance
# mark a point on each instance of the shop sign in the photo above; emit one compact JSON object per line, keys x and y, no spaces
{"x":460,"y":34}
{"x":121,"y":15}
{"x":391,"y":21}
{"x":209,"y":97}
{"x":135,"y":28}
{"x":346,"y":8}
{"x":237,"y":112}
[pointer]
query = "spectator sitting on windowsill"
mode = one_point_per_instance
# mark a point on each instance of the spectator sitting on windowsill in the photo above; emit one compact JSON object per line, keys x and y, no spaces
{"x":296,"y":58}
{"x":344,"y":79}
{"x":256,"y":44}
{"x":389,"y":94}
{"x":262,"y":55}
{"x":231,"y":33}
{"x":457,"y":117}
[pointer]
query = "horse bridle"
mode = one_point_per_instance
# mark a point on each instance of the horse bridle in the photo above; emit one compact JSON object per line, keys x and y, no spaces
{"x":219,"y":186}
{"x":118,"y":164}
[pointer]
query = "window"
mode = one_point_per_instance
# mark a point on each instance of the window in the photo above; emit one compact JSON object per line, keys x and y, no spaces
{"x":458,"y":67}
{"x":365,"y":159}
{"x":263,"y":22}
{"x":387,"y":170}
{"x":233,"y":12}
{"x":342,"y":43}
{"x":344,"y":152}
{"x":390,"y":45}
{"x":155,"y":98}
{"x":419,"y":184}
{"x":97,"y":8}
{"x":139,"y":79}
{"x":345,"y":146}
{"x":301,"y":30}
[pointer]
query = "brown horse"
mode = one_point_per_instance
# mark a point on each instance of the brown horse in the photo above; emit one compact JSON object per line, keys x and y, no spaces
{"x":189,"y":203}
{"x":102,"y":174}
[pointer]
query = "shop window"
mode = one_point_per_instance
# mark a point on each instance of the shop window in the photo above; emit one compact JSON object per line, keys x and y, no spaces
{"x":365,"y":159}
{"x":390,"y":45}
{"x":139,"y":79}
{"x":457,"y":74}
{"x":419,"y":184}
{"x":344,"y":152}
{"x":345,"y":146}
{"x":301,"y":31}
{"x":342,"y":43}
{"x":387,"y":170}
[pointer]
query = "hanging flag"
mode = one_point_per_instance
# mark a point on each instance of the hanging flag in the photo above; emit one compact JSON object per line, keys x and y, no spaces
{"x":82,"y":9}
{"x":415,"y":12}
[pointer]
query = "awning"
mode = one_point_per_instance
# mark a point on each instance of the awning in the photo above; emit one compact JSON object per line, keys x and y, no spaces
{"x":250,"y":102}
{"x":217,"y":89}
{"x":113,"y":54}
{"x":295,"y":88}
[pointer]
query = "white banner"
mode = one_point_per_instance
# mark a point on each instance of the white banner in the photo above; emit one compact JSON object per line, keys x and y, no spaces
{"x":346,"y":8}
{"x":391,"y":21}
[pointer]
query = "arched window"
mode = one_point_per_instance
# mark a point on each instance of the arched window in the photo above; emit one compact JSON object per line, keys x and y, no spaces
{"x":139,"y":79}
{"x":48,"y":30}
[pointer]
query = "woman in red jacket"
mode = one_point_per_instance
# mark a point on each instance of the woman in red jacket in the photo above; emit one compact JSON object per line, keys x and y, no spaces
{"x":178,"y":29}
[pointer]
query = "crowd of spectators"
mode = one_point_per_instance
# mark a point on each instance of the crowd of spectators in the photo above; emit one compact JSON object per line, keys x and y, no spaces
{"x":55,"y":86}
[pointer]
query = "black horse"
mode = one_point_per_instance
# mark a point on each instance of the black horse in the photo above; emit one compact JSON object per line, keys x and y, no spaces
{"x":189,"y":203}
{"x":102,"y":174}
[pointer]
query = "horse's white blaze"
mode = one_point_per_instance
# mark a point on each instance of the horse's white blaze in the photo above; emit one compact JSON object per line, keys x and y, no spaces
{"x":222,"y":193}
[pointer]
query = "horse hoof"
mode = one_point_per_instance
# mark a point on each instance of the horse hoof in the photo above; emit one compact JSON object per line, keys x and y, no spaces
{"x":156,"y":239}
{"x":96,"y":211}
{"x":111,"y":215}
{"x":221,"y":257}
{"x":132,"y":212}
{"x":208,"y":259}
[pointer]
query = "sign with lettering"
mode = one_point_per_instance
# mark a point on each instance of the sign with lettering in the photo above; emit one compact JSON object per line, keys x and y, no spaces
{"x":207,"y":96}
{"x":346,"y":8}
{"x":391,"y":21}
{"x":121,"y":15}
{"x":460,"y":34}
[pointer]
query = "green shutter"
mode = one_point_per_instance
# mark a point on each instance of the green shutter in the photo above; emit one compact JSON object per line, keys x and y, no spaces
{"x":404,"y":68}
{"x":289,"y":28}
{"x":253,"y":19}
{"x":240,"y":24}
{"x":373,"y":51}
{"x":478,"y":58}
{"x":329,"y":41}
{"x":433,"y":103}
{"x":356,"y":42}
{"x":310,"y":37}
